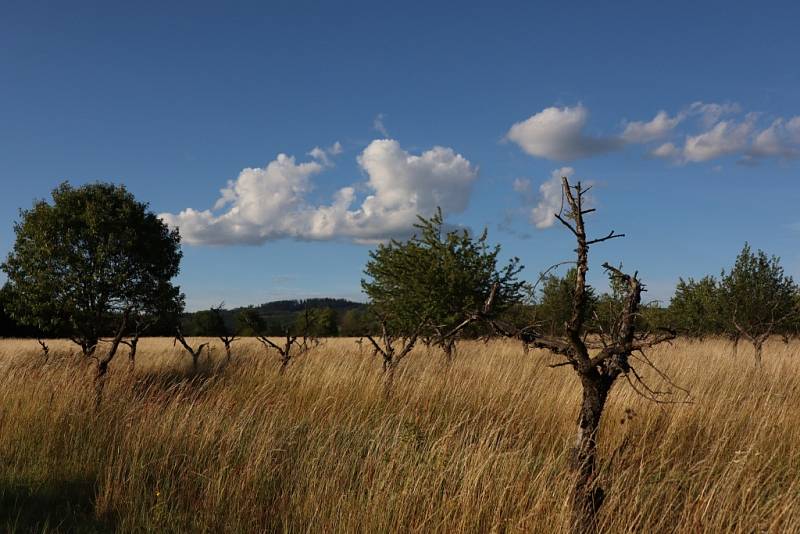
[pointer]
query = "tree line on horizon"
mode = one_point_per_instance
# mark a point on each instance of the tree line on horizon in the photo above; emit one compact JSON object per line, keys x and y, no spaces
{"x":755,"y":299}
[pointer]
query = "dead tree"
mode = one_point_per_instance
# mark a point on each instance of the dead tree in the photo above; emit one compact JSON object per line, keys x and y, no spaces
{"x":286,"y":351}
{"x":45,"y":349}
{"x":390,"y":353}
{"x":194,"y":353}
{"x":598,"y":372}
{"x":140,"y":325}
{"x":308,"y":340}
{"x":226,"y":335}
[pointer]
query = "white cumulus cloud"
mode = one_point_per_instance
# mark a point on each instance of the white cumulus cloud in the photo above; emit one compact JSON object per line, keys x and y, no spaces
{"x":780,"y":139}
{"x":658,"y":128}
{"x":270,"y":203}
{"x":725,"y":138}
{"x":558,"y":134}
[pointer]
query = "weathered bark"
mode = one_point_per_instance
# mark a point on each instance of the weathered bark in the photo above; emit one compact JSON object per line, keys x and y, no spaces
{"x":587,"y":495}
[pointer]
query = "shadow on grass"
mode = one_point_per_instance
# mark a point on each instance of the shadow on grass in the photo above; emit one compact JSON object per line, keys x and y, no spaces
{"x":57,"y":506}
{"x":167,"y":383}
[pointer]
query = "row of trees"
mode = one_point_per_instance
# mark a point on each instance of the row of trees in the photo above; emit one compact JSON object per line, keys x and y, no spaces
{"x":752,"y":301}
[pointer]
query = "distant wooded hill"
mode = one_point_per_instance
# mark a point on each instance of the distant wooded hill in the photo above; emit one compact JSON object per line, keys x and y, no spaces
{"x":331,"y":316}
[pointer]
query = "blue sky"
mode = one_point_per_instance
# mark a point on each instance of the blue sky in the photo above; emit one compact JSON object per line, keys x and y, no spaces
{"x":411,"y":105}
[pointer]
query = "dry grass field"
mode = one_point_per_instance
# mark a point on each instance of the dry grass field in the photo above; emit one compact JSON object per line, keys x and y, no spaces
{"x":481,"y":446}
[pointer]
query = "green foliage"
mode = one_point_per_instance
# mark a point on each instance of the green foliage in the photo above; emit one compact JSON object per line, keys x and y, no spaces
{"x":317,"y":322}
{"x":250,"y":322}
{"x":554,"y":304}
{"x":758,"y":296}
{"x":438,"y":275}
{"x":79,"y":262}
{"x":356,"y":323}
{"x":696,"y":309}
{"x":210,"y":323}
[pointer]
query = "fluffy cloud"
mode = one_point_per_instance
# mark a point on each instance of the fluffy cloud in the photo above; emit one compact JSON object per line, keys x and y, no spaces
{"x":643,"y":132}
{"x":558,"y":134}
{"x":725,"y":138}
{"x":270,"y":203}
{"x":780,"y":139}
{"x":710,"y":131}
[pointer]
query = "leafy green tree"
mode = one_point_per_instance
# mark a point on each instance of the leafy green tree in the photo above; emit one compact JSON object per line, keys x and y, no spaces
{"x":696,"y":308}
{"x":555,"y":302}
{"x":88,"y":262}
{"x":440,"y":278}
{"x":759,"y":299}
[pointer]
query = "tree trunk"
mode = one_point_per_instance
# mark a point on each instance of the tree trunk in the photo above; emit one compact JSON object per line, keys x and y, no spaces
{"x":735,"y":346}
{"x":284,"y":365}
{"x":388,"y":379}
{"x":587,"y":496}
{"x":227,"y":351}
{"x":132,"y":353}
{"x":196,"y":360}
{"x":526,"y":349}
{"x":449,"y":348}
{"x":758,"y":347}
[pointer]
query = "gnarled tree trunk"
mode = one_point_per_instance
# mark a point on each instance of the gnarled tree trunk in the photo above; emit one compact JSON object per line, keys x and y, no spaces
{"x":587,"y":495}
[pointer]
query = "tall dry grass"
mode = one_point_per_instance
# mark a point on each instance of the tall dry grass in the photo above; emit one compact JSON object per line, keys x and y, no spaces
{"x":480,"y":446}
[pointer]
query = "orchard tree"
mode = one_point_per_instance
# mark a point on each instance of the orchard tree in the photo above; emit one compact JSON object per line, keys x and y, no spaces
{"x":84,"y":265}
{"x":441,"y":276}
{"x":759,"y":298}
{"x":696,"y":308}
{"x":211,"y":322}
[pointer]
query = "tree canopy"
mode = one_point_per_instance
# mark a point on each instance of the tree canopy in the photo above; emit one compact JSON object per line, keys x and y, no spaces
{"x":438,"y":276}
{"x":91,"y":256}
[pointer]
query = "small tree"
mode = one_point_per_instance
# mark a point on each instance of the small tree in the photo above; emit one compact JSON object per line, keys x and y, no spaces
{"x":211,"y":322}
{"x":289,"y":349}
{"x":759,"y":299}
{"x":386,"y":346}
{"x":444,"y":276}
{"x":84,"y":264}
{"x":696,"y":308}
{"x":195,"y":353}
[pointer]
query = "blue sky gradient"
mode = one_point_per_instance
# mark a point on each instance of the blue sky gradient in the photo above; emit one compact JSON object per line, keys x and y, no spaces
{"x":174,"y":101}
